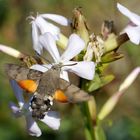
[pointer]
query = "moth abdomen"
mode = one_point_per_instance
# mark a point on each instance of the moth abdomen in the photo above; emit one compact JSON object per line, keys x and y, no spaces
{"x":40,"y":104}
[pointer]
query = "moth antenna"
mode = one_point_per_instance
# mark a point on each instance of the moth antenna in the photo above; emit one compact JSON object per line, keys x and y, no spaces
{"x":69,"y":64}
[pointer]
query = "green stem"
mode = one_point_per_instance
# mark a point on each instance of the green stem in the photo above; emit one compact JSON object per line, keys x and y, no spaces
{"x":88,"y":121}
{"x":89,"y":131}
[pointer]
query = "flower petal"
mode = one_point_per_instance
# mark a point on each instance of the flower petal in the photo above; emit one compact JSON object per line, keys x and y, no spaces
{"x":18,"y":92}
{"x":75,"y":46}
{"x":16,"y":110}
{"x":57,"y":18}
{"x":84,"y":69}
{"x":32,"y":127}
{"x":133,"y":33}
{"x":132,"y":16}
{"x":52,"y":119}
{"x":42,"y":68}
{"x":64,"y":75}
{"x":48,"y":42}
{"x":35,"y":37}
{"x":45,"y":26}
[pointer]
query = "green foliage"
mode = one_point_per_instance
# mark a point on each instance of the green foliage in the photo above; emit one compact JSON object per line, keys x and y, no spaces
{"x":126,"y":128}
{"x":4,"y":9}
{"x":98,"y":82}
{"x":112,"y":56}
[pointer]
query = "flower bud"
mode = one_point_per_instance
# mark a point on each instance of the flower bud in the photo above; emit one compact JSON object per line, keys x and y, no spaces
{"x":10,"y":51}
{"x":113,"y":100}
{"x":79,"y":24}
{"x":92,"y":108}
{"x":62,"y":42}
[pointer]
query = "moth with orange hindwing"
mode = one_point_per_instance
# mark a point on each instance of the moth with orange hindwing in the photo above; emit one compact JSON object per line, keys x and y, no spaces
{"x":47,"y":86}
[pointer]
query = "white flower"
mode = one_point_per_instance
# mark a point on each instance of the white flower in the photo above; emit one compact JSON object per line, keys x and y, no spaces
{"x":133,"y":28}
{"x":75,"y":45}
{"x":41,"y":25}
{"x":51,"y":118}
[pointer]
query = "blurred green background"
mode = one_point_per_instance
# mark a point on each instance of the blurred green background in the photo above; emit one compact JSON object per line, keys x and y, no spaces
{"x":15,"y":31}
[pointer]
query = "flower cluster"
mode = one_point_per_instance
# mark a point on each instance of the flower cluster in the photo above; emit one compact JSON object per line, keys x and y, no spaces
{"x":41,"y":26}
{"x":44,"y":36}
{"x":83,"y":69}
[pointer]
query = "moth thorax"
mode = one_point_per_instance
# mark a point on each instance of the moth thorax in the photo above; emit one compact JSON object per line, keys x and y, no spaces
{"x":40,"y":104}
{"x":57,"y":67}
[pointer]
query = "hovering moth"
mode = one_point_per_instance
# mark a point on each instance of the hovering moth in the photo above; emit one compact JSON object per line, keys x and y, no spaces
{"x":47,"y":86}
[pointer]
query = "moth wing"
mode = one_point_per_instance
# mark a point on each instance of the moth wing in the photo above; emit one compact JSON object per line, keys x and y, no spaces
{"x":74,"y":93}
{"x":26,"y":78}
{"x":18,"y":72}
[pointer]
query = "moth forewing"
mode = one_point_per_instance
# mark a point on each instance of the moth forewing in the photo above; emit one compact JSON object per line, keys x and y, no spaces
{"x":26,"y":78}
{"x":18,"y":72}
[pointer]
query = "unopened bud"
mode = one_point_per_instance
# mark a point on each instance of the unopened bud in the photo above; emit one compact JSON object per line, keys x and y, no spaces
{"x":130,"y":79}
{"x":107,"y":28}
{"x":92,"y":108}
{"x":62,"y":42}
{"x":79,"y":24}
{"x":109,"y":106}
{"x":10,"y":51}
{"x":111,"y":43}
{"x":113,"y":100}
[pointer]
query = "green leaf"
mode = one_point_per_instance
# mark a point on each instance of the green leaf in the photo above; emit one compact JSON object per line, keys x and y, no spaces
{"x":99,"y":82}
{"x":101,"y":67}
{"x":112,"y":56}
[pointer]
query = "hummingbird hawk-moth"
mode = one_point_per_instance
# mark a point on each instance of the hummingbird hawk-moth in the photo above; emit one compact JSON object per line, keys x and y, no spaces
{"x":46,"y":86}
